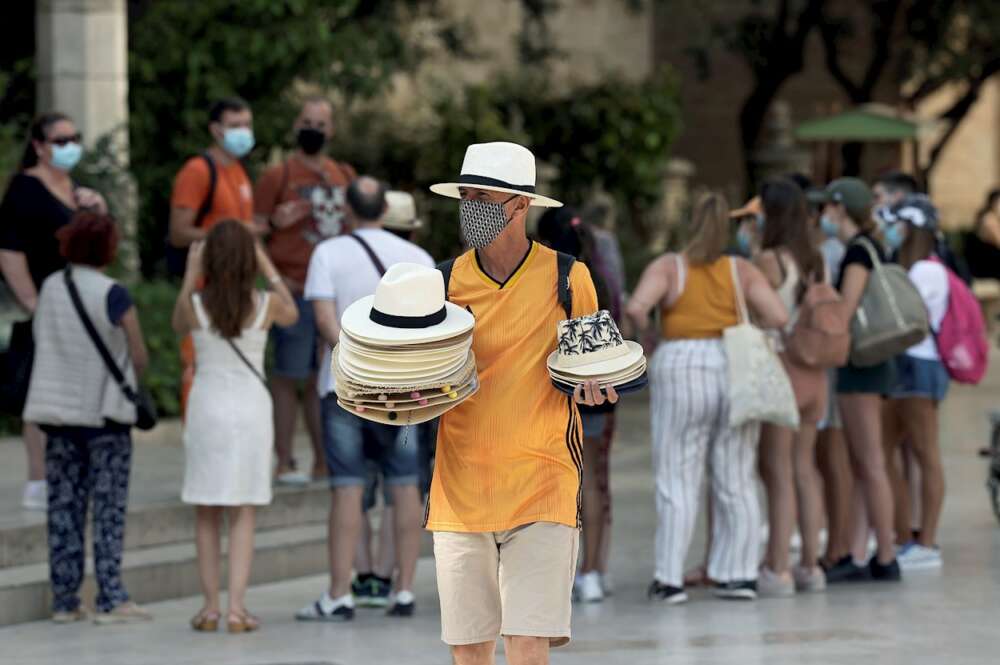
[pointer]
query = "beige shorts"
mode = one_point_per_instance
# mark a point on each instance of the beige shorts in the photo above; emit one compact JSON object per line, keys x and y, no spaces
{"x":517,"y":582}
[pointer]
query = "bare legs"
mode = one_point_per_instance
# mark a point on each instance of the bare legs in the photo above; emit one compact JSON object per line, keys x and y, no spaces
{"x":594,"y":519}
{"x":862,"y":414}
{"x":807,"y":493}
{"x":915,"y":420}
{"x":776,"y":472}
{"x":408,"y":515}
{"x":342,"y":536}
{"x":208,"y":532}
{"x":835,"y":468}
{"x":34,"y":447}
{"x":284,"y":393}
{"x":519,"y":650}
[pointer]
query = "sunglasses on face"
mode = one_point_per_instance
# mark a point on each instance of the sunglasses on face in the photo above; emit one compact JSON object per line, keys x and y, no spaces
{"x":63,"y":140}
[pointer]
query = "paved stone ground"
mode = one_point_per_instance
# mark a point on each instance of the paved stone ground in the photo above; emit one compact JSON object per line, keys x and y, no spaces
{"x":945,"y":617}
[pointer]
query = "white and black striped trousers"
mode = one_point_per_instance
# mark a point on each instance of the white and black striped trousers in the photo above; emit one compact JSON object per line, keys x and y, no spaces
{"x":689,"y":394}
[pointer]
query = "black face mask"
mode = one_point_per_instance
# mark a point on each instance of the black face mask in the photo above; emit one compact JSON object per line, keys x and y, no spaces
{"x":310,"y":140}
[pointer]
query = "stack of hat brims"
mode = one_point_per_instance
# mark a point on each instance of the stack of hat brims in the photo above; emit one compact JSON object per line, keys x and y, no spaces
{"x":591,"y":348}
{"x":405,"y":355}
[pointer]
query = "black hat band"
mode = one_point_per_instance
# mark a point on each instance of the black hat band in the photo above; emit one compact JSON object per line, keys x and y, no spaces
{"x":396,"y":321}
{"x":486,"y":181}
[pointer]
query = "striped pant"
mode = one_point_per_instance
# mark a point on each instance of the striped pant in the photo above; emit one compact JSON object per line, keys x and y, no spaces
{"x":689,"y":393}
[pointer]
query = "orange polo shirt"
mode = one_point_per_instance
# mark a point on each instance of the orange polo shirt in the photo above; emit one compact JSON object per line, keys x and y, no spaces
{"x":511,"y":454}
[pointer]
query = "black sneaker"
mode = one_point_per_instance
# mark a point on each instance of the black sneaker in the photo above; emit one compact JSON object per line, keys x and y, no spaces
{"x":379,"y":589}
{"x":737,"y":590}
{"x":361,"y":589}
{"x":403,"y":606}
{"x":671,"y":595}
{"x":888,"y":572}
{"x":846,"y":570}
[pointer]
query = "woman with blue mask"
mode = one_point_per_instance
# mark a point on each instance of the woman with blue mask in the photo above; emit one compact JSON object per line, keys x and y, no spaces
{"x":911,"y":412}
{"x":848,"y":205}
{"x":40,"y":199}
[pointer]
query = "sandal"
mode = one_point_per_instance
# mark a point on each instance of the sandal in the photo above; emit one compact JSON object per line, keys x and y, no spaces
{"x":205,"y":622}
{"x":245,"y":623}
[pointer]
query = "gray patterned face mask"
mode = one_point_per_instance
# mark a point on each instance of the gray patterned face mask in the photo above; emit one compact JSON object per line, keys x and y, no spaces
{"x":482,"y":222}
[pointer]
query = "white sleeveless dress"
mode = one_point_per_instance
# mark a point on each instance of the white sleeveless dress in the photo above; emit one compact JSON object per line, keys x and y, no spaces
{"x":229,"y":432}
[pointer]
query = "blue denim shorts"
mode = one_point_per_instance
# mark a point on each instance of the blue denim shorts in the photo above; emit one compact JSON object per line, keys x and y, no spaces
{"x":393,"y":449}
{"x":919,"y":377}
{"x":295,"y":354}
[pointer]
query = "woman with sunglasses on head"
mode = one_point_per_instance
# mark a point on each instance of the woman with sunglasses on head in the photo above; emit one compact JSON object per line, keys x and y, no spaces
{"x":39,"y":200}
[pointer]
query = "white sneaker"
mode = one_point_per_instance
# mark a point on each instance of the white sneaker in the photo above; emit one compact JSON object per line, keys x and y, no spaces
{"x":36,"y":495}
{"x":293,"y":479}
{"x":913,"y":556}
{"x":606,"y":585}
{"x":589,"y":587}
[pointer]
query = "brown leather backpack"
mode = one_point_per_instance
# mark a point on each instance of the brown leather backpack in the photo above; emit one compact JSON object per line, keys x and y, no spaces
{"x":821,"y":335}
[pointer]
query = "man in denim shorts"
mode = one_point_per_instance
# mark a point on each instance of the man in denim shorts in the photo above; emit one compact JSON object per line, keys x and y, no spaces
{"x":343,"y":270}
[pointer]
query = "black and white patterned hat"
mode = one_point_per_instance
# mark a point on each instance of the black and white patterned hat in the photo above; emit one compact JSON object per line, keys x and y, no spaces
{"x":500,"y":167}
{"x":591,"y":346}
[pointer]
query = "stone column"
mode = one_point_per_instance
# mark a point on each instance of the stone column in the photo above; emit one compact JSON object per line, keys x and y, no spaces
{"x":82,"y":63}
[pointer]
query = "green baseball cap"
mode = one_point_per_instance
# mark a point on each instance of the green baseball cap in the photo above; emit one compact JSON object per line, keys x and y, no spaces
{"x":855,"y":195}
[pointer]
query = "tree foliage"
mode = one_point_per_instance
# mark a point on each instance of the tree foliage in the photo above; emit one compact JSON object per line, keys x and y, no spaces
{"x":183,"y":55}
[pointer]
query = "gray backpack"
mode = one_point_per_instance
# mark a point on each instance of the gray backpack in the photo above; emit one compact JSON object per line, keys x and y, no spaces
{"x":891,"y":316}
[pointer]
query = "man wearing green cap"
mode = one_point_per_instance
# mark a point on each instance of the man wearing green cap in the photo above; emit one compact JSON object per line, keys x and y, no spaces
{"x":847,"y":210}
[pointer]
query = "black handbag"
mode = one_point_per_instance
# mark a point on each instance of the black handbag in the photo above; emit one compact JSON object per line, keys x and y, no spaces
{"x":15,"y":369}
{"x":145,"y":409}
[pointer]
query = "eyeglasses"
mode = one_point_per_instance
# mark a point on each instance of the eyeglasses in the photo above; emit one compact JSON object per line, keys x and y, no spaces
{"x":63,"y":140}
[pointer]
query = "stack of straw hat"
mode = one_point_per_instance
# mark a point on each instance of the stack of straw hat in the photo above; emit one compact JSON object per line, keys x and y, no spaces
{"x":405,"y":354}
{"x":592,"y":348}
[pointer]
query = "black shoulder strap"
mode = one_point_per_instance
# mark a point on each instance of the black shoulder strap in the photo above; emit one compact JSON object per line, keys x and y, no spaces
{"x":564,"y":264}
{"x":371,"y":254}
{"x":109,"y":362}
{"x":246,"y":361}
{"x":445,"y":268}
{"x":206,"y":205}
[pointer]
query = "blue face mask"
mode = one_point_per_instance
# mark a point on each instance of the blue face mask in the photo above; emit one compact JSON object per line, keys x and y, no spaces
{"x":761,"y":220}
{"x":829,"y":227}
{"x":66,"y":157}
{"x":238,"y":141}
{"x":894,"y":235}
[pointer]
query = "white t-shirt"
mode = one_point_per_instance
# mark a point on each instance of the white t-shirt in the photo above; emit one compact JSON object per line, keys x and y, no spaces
{"x":341,"y":271}
{"x":931,"y":280}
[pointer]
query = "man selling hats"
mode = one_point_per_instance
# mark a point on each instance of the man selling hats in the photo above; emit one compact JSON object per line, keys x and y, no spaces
{"x":504,"y":502}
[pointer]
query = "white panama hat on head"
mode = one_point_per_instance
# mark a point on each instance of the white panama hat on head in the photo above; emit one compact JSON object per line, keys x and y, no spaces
{"x":497,"y":167}
{"x":408,"y":307}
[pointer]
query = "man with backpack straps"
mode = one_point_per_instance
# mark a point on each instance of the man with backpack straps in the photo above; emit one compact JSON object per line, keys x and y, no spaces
{"x":209,"y":188}
{"x":504,"y":505}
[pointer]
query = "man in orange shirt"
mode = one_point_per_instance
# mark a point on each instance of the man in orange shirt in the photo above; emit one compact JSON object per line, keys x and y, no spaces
{"x":301,"y":202}
{"x":504,"y":504}
{"x":201,"y":199}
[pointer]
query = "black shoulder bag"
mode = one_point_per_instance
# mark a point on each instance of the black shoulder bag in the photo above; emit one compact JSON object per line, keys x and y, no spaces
{"x":145,"y":410}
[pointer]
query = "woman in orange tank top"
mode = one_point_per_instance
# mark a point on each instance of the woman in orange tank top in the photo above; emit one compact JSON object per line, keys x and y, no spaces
{"x":689,"y":404}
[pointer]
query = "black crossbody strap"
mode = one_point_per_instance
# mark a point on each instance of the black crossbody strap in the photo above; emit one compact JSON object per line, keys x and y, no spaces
{"x":246,"y":361}
{"x":109,"y":362}
{"x":371,"y":254}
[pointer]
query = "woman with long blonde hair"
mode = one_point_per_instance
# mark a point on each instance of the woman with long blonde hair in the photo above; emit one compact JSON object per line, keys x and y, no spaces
{"x":696,"y":292}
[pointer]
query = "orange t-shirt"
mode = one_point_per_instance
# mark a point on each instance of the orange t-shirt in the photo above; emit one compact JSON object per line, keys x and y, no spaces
{"x":512,"y":453}
{"x":233,"y":193}
{"x":291,"y":247}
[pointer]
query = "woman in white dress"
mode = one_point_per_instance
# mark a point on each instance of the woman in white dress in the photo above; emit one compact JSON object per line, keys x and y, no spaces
{"x":228,"y":433}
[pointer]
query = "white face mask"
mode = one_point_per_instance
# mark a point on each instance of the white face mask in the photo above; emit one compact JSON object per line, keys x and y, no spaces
{"x":482,"y":222}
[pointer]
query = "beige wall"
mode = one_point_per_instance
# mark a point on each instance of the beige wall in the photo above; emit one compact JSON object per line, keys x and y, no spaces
{"x":970,"y":164}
